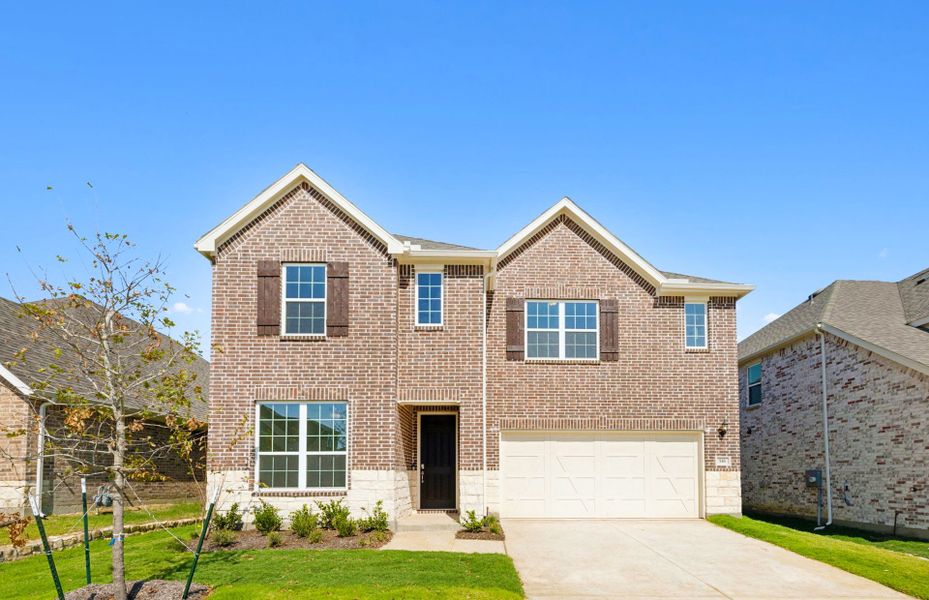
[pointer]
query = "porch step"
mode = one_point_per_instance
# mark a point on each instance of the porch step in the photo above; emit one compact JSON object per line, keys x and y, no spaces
{"x":429,"y":521}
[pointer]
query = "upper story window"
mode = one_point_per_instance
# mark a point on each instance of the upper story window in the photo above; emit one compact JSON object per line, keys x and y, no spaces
{"x":754,"y":384}
{"x":429,"y":298}
{"x":304,"y":299}
{"x":695,"y":325}
{"x":302,"y":445}
{"x":562,"y":330}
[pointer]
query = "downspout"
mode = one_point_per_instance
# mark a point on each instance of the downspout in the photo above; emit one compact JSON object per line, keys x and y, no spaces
{"x":822,"y":355}
{"x":40,"y":451}
{"x":484,"y":391}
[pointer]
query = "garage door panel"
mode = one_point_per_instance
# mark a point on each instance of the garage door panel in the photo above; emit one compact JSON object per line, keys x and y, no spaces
{"x":602,"y":474}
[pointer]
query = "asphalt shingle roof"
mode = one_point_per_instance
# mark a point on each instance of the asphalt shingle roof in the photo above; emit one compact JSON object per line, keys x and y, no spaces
{"x":873,"y":311}
{"x":430,"y":244}
{"x":18,"y":332}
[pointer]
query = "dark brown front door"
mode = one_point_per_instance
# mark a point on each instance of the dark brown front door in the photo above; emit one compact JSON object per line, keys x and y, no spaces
{"x":437,"y":449}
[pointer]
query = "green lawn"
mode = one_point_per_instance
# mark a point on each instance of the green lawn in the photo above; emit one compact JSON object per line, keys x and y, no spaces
{"x":59,"y":524}
{"x":896,"y":563}
{"x":287,"y":574}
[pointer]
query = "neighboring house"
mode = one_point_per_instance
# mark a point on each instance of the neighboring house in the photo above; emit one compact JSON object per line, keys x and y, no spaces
{"x":559,"y":375}
{"x":876,"y":340}
{"x":25,"y":419}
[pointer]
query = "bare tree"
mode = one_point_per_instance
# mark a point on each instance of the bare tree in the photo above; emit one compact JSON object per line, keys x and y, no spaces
{"x":122,"y":388}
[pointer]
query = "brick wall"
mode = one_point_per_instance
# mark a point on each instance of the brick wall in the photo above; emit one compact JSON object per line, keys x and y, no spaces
{"x":15,"y":424}
{"x":655,"y":384}
{"x":878,"y":435}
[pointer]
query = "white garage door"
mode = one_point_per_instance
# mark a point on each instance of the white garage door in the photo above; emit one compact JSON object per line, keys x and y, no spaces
{"x":599,"y":475}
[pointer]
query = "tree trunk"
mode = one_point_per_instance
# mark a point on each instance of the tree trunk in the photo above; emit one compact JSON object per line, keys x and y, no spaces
{"x":119,"y":563}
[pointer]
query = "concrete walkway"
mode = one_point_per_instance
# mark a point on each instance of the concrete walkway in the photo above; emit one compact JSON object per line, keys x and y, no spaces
{"x":668,"y":559}
{"x":435,"y":532}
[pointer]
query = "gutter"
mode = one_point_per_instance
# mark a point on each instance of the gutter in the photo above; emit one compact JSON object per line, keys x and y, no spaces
{"x":822,"y":355}
{"x":40,"y":451}
{"x":484,"y":393}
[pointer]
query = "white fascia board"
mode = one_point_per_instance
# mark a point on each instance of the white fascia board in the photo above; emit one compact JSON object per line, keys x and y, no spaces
{"x":594,"y":228}
{"x":15,"y":381}
{"x":207,"y":244}
{"x":679,"y":288}
{"x":920,"y":322}
{"x":879,"y":350}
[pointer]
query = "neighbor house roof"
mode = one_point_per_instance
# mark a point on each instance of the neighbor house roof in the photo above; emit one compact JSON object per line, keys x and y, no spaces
{"x":18,"y":332}
{"x":412,"y":249}
{"x":871,"y":314}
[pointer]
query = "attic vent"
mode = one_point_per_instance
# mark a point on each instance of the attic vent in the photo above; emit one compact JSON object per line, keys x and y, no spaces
{"x":814,"y":294}
{"x":923,"y":280}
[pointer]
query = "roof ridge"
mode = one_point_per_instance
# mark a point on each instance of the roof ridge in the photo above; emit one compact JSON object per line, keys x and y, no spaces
{"x":830,"y":301}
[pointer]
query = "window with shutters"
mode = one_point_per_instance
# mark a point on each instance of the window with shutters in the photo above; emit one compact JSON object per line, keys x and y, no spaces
{"x":566,"y":330}
{"x":302,"y":445}
{"x":304,"y":299}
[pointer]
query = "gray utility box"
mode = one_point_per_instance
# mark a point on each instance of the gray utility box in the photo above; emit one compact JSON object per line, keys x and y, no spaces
{"x":814,"y":478}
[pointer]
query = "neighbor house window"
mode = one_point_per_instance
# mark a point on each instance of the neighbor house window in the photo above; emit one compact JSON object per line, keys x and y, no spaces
{"x":304,"y":299}
{"x":302,"y":445}
{"x":562,"y":330}
{"x":429,"y":298}
{"x":754,"y":384}
{"x":695,"y":324}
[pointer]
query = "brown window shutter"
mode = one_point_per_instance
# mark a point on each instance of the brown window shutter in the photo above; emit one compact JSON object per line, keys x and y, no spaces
{"x":337,"y":299}
{"x":515,"y":338}
{"x":269,"y":297}
{"x":609,"y":330}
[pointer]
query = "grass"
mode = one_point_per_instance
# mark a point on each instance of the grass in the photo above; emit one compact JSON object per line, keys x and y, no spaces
{"x":291,"y":574}
{"x":897,"y":563}
{"x":59,"y":524}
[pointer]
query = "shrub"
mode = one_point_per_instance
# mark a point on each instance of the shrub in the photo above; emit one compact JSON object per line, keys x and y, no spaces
{"x":223,"y":537}
{"x":275,"y":539}
{"x":332,"y":512}
{"x":303,"y":521}
{"x":492,"y":523}
{"x":472,"y":523}
{"x":376,"y":519}
{"x":231,"y":520}
{"x":346,"y":527}
{"x":316,"y":536}
{"x":267,"y":518}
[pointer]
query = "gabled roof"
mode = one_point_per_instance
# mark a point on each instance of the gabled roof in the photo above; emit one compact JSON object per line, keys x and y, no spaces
{"x":869,"y":314}
{"x":914,"y":293}
{"x":18,"y":332}
{"x":409,"y":249}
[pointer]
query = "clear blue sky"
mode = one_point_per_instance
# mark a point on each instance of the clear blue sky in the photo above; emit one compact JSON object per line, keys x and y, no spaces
{"x":784,"y":144}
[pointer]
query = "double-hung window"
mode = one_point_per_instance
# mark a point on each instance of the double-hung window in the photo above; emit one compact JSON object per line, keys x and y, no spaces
{"x":695,"y":325}
{"x":754,"y":384}
{"x":304,"y":299}
{"x":562,"y":330}
{"x":429,"y":298}
{"x":302,"y":445}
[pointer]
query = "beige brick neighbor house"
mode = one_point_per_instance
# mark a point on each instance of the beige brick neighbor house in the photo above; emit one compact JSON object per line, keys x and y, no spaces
{"x":872,"y":391}
{"x":558,"y":375}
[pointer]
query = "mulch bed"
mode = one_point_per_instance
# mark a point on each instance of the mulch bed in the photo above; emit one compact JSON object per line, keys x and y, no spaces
{"x":252,"y":540}
{"x":156,"y":589}
{"x":480,"y":535}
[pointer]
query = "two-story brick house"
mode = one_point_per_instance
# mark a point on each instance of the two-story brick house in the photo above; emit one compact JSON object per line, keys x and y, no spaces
{"x":559,"y":375}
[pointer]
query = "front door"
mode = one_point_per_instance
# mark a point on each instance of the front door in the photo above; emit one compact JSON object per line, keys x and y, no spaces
{"x":437,"y":450}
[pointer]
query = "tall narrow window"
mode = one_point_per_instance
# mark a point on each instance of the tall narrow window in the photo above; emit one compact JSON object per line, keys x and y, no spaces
{"x":566,"y":330}
{"x":695,"y":324}
{"x":304,"y":299}
{"x":302,"y":445}
{"x":429,"y":298}
{"x":754,"y":384}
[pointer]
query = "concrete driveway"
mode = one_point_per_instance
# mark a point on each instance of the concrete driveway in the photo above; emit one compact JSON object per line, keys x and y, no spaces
{"x":668,"y":559}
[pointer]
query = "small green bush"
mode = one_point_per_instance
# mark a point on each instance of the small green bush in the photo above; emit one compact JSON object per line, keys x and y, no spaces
{"x":267,"y":518}
{"x":472,"y":523}
{"x":223,"y":537}
{"x":303,"y":521}
{"x":492,"y":523}
{"x":376,"y":519}
{"x":275,"y":539}
{"x":231,"y":520}
{"x":346,"y":527}
{"x":316,"y":536}
{"x":332,"y":512}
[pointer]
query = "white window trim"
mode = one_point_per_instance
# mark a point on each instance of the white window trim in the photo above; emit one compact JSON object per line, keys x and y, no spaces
{"x":432,"y":269}
{"x":561,"y":331}
{"x":301,"y":450}
{"x":706,"y":325}
{"x":749,"y":386}
{"x":285,"y":300}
